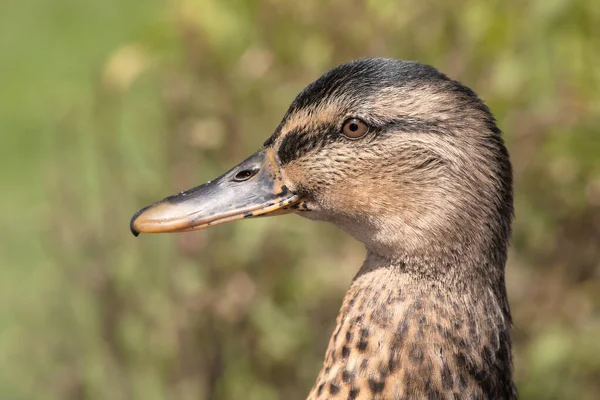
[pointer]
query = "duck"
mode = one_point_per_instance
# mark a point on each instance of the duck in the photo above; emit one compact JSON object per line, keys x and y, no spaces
{"x":412,"y":164}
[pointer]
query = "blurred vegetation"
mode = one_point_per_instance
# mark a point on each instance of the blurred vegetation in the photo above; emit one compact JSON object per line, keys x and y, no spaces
{"x":106,"y":106}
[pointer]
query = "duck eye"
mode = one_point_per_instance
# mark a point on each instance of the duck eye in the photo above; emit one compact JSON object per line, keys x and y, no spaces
{"x":355,"y":128}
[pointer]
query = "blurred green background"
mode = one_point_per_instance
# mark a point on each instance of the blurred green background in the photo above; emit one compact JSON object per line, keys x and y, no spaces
{"x":106,"y":106}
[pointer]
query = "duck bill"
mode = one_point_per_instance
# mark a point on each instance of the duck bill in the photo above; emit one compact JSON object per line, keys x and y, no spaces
{"x":251,"y":189}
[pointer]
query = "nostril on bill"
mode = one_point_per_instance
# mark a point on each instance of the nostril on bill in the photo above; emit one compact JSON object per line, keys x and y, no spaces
{"x":244,"y":175}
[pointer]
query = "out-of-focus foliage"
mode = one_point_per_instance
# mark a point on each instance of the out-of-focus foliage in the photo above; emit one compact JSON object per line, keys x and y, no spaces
{"x":109,"y":105}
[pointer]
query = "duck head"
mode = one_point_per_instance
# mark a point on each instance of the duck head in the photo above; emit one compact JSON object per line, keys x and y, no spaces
{"x":405,"y":159}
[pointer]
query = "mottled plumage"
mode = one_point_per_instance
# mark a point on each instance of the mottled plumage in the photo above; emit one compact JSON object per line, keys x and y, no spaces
{"x":430,"y":194}
{"x":427,"y":189}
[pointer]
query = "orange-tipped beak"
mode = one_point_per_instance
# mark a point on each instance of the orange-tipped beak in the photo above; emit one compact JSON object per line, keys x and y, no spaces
{"x":251,"y":189}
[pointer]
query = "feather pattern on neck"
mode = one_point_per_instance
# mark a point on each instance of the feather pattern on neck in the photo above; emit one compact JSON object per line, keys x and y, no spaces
{"x":399,"y":337}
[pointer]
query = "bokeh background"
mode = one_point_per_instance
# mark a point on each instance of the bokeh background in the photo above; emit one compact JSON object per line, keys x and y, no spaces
{"x":106,"y":106}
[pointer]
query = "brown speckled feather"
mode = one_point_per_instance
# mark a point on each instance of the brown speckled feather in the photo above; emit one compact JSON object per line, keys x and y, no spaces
{"x":398,"y":339}
{"x":430,"y":195}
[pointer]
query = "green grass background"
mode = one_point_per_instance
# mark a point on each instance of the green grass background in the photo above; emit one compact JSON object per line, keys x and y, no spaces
{"x":106,"y":106}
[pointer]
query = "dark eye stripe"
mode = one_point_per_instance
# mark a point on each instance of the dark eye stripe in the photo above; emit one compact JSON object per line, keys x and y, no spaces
{"x":298,"y":142}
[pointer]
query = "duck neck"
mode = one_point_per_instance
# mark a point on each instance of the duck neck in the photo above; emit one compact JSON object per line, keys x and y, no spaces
{"x":404,"y":332}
